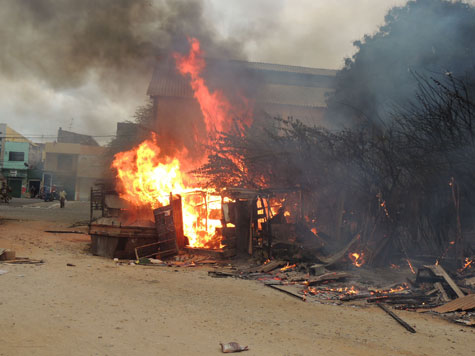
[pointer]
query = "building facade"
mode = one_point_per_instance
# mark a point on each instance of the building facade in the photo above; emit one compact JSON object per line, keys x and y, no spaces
{"x":20,"y":162}
{"x":72,"y":167}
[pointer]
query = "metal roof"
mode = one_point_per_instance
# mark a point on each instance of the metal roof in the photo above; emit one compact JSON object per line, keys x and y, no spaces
{"x":279,"y":84}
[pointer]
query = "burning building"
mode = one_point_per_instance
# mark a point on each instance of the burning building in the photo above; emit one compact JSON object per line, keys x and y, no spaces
{"x":194,"y":100}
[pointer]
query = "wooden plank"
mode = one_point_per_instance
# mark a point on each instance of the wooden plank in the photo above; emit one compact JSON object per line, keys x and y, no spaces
{"x":439,"y":271}
{"x":301,"y":297}
{"x":398,"y":319}
{"x":445,"y":297}
{"x":332,"y":276}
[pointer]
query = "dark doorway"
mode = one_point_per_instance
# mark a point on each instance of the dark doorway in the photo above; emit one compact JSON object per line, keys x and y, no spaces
{"x":15,"y":185}
{"x":35,"y":185}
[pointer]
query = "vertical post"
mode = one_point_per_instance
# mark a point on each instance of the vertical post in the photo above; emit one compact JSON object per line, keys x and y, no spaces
{"x":90,"y":207}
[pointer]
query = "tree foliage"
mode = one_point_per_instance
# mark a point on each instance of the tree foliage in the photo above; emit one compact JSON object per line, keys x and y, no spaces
{"x":424,"y":36}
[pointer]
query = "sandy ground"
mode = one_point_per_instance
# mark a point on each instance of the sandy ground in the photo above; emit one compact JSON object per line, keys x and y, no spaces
{"x":98,"y":308}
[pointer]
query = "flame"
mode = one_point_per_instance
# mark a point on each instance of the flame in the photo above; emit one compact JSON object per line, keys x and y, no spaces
{"x":287,"y":267}
{"x":347,"y":291}
{"x":216,"y":108}
{"x":357,"y":258}
{"x":401,"y":288}
{"x":468,"y":264}
{"x":410,"y":266}
{"x":146,"y":178}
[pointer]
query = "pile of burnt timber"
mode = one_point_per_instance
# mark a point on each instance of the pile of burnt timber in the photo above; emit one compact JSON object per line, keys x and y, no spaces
{"x":433,"y":291}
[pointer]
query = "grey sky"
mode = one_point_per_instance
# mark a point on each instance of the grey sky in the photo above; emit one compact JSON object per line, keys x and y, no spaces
{"x":317,"y":33}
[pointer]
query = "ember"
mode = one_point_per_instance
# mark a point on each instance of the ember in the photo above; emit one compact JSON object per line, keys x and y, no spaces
{"x":288,"y":267}
{"x":357,"y":258}
{"x":468,"y":264}
{"x":410,"y":266}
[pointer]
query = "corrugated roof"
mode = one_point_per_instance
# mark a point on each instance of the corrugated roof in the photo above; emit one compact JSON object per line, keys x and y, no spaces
{"x":314,"y":84}
{"x":292,"y":95}
{"x":463,"y":303}
{"x":287,"y":68}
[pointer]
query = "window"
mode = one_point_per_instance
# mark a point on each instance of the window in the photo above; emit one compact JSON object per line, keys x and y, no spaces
{"x":16,"y":156}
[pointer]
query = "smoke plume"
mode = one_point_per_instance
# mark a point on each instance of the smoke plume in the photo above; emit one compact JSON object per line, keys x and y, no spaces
{"x":62,"y":55}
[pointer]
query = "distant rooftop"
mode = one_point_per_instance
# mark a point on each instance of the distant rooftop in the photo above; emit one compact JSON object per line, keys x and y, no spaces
{"x":72,"y":137}
{"x":279,"y":84}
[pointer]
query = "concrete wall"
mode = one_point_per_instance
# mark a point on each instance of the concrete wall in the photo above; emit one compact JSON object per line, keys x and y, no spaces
{"x":85,"y":169}
{"x":23,"y":147}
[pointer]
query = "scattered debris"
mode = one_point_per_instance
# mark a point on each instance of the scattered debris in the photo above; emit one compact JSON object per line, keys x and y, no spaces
{"x":3,"y":271}
{"x":273,"y":286}
{"x":23,"y":260}
{"x":440,"y":272}
{"x":232,"y":347}
{"x":219,"y":274}
{"x":70,"y":265}
{"x":398,"y":319}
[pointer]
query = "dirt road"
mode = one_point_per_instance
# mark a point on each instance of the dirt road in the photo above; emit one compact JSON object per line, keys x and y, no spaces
{"x":98,"y":308}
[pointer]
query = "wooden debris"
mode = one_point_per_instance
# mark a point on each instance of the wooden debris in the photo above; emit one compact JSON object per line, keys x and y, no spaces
{"x":317,"y":269}
{"x":66,"y":232}
{"x":398,"y":319}
{"x":401,"y":298}
{"x":464,"y":303}
{"x":440,"y":272}
{"x":295,"y":295}
{"x":267,"y":267}
{"x":23,"y":260}
{"x":339,"y":255}
{"x":347,"y":298}
{"x":332,"y":276}
{"x":219,"y":274}
{"x":443,"y":293}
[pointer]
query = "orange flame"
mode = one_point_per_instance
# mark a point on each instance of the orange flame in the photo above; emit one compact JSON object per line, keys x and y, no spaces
{"x":217,"y":110}
{"x":287,"y":267}
{"x":357,"y":258}
{"x":468,"y":264}
{"x":146,"y":179}
{"x":410,"y":266}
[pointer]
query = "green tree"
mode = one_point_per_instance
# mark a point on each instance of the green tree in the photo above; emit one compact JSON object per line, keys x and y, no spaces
{"x":424,"y":37}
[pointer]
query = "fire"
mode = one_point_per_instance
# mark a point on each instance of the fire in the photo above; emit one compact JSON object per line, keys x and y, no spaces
{"x":401,"y":288}
{"x":468,"y":264}
{"x":287,"y":267}
{"x":357,"y":258}
{"x":347,"y":291}
{"x":146,"y":178}
{"x":216,"y":108}
{"x":410,"y":266}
